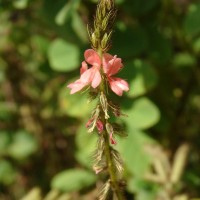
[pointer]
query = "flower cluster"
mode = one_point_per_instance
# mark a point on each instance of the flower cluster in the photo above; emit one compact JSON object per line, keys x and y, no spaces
{"x":94,"y":68}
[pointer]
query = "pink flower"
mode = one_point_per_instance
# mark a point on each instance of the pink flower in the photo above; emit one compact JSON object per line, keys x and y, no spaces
{"x":89,"y":76}
{"x":76,"y":86}
{"x":111,"y":66}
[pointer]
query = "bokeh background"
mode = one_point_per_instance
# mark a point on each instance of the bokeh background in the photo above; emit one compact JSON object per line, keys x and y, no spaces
{"x":45,"y":150}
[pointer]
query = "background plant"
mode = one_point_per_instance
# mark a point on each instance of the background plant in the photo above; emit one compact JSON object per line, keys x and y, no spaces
{"x":42,"y":141}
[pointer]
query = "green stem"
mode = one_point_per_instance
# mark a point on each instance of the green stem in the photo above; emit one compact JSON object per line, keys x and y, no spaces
{"x":111,"y":167}
{"x":108,"y":149}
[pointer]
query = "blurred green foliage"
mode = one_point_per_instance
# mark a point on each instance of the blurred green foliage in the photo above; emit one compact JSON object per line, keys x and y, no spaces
{"x":43,"y":141}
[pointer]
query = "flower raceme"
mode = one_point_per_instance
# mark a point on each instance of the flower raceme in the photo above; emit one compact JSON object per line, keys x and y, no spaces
{"x":110,"y":65}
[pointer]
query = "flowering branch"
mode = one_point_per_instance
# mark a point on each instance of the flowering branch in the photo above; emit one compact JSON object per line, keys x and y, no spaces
{"x":97,"y":73}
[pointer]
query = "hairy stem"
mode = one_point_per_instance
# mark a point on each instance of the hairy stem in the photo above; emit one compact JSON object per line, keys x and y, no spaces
{"x":108,"y":151}
{"x":111,"y":167}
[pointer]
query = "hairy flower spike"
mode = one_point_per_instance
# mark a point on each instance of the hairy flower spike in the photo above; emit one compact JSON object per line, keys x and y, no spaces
{"x":98,"y":71}
{"x":103,"y":23}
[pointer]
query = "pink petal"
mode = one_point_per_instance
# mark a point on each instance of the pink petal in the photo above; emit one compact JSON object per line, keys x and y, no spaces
{"x":114,"y":66}
{"x":106,"y":58}
{"x":96,"y":80}
{"x":76,"y":86}
{"x":118,"y":85}
{"x":99,"y":126}
{"x":84,"y":67}
{"x":92,"y":57}
{"x":88,"y":75}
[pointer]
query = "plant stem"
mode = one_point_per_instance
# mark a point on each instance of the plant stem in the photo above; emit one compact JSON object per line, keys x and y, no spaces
{"x":111,"y":167}
{"x":107,"y":152}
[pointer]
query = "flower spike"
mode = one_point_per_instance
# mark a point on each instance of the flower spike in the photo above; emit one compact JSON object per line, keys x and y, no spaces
{"x":98,"y":70}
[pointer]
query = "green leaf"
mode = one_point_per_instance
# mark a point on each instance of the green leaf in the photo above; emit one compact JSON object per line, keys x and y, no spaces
{"x":63,"y":14}
{"x":35,"y":194}
{"x":4,"y":142}
{"x":86,"y":144}
{"x":63,"y":56}
{"x":143,"y":189}
{"x":3,"y":65}
{"x":184,"y":59}
{"x":5,"y":113}
{"x":145,"y":78}
{"x":142,"y":114}
{"x":40,"y":43}
{"x":119,"y":1}
{"x":74,"y":105}
{"x":2,"y":76}
{"x":22,"y":146}
{"x":20,"y":4}
{"x":52,"y":9}
{"x":191,"y":23}
{"x":133,"y":41}
{"x":160,"y":48}
{"x":66,"y":11}
{"x":79,"y":27}
{"x":7,"y":173}
{"x":73,"y":180}
{"x":133,"y":150}
{"x":196,"y":45}
{"x":140,"y":7}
